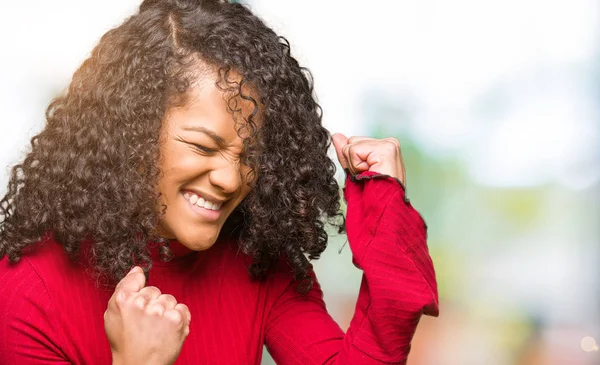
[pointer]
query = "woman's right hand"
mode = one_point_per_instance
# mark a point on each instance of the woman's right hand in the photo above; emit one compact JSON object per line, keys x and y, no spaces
{"x":143,"y":325}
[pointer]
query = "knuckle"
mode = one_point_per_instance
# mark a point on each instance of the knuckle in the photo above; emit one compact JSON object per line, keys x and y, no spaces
{"x":393,"y":140}
{"x":119,"y":298}
{"x":184,"y":310}
{"x":138,"y":275}
{"x":392,"y":146}
{"x":355,"y":139}
{"x":140,"y":301}
{"x":152,"y":290}
{"x":134,"y":276}
{"x":175,"y":316}
{"x":130,"y":279}
{"x":155,"y":309}
{"x":168,"y":298}
{"x":350,"y":148}
{"x":182,"y":307}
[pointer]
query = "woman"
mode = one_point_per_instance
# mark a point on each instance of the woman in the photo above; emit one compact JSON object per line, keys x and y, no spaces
{"x":187,"y":163}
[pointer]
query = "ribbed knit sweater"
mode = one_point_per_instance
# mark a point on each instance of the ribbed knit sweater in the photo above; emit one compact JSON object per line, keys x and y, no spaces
{"x":51,"y":308}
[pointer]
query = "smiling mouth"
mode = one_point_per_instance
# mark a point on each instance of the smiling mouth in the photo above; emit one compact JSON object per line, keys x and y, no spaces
{"x":207,"y":211}
{"x":198,"y":201}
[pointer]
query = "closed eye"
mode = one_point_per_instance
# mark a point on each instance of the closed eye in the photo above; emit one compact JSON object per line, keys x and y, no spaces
{"x":203,"y":149}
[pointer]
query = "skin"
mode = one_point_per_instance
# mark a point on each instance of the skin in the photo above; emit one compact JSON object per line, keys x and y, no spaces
{"x":360,"y":154}
{"x":145,"y":326}
{"x":192,"y":160}
{"x":200,"y":152}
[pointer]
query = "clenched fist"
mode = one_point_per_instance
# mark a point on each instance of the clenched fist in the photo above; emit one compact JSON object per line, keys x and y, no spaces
{"x":143,"y":325}
{"x":359,"y":154}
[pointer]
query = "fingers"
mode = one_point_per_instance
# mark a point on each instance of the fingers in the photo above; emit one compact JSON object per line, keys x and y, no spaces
{"x":145,"y":320}
{"x":166,"y":300}
{"x":151,"y":301}
{"x":161,"y":304}
{"x":347,"y":158}
{"x":180,"y":315}
{"x":186,"y":315}
{"x":339,"y":141}
{"x":134,"y":281}
{"x":166,"y":306}
{"x":185,"y":312}
{"x":356,"y":156}
{"x":145,"y":296}
{"x":360,"y":154}
{"x":355,"y":139}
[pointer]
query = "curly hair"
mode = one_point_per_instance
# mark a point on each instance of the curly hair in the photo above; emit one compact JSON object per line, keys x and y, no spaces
{"x":92,"y":172}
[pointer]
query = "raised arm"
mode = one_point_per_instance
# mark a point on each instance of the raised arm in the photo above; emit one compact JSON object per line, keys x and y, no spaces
{"x":388,"y":241}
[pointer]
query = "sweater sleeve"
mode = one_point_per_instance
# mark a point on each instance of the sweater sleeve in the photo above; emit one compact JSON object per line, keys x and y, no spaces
{"x":388,"y":242}
{"x":28,"y":334}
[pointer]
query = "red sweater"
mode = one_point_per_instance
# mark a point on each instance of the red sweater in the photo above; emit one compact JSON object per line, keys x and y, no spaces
{"x":51,"y":309}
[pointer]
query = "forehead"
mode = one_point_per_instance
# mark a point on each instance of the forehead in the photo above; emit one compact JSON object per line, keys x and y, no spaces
{"x":215,"y":103}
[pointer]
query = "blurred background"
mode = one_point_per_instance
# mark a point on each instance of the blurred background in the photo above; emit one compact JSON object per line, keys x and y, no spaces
{"x":496,"y":105}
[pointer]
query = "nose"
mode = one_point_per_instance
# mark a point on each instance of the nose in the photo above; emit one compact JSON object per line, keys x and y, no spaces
{"x":227,"y":176}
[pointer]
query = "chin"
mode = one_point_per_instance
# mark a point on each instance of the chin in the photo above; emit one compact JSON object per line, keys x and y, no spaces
{"x":198,"y":242}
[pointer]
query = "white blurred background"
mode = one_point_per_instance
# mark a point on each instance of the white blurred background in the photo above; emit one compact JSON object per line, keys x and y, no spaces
{"x":497,"y":106}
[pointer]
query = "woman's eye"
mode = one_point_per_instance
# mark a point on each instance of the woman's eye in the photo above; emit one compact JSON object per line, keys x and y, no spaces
{"x":203,"y":149}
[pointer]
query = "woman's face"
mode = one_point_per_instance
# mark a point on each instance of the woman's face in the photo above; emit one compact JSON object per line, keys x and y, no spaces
{"x":203,"y":179}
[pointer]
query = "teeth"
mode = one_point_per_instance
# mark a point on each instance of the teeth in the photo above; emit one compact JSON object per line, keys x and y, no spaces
{"x":201,"y":202}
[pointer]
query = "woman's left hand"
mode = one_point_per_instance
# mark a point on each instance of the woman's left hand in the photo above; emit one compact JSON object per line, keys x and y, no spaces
{"x":359,"y":154}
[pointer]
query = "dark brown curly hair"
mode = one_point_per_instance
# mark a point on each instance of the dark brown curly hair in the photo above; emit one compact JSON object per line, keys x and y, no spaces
{"x":93,"y":170}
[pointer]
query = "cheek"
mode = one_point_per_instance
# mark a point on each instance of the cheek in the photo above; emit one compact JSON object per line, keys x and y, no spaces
{"x":180,"y":164}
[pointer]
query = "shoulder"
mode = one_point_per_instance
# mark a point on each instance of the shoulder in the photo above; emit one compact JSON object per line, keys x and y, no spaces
{"x":45,"y":259}
{"x":25,"y":279}
{"x":46,"y":267}
{"x":24,"y":270}
{"x":19,"y":281}
{"x":46,"y":300}
{"x":27,"y":314}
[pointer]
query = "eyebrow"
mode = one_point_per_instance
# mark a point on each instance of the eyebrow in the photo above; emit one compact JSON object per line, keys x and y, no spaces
{"x":198,"y":128}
